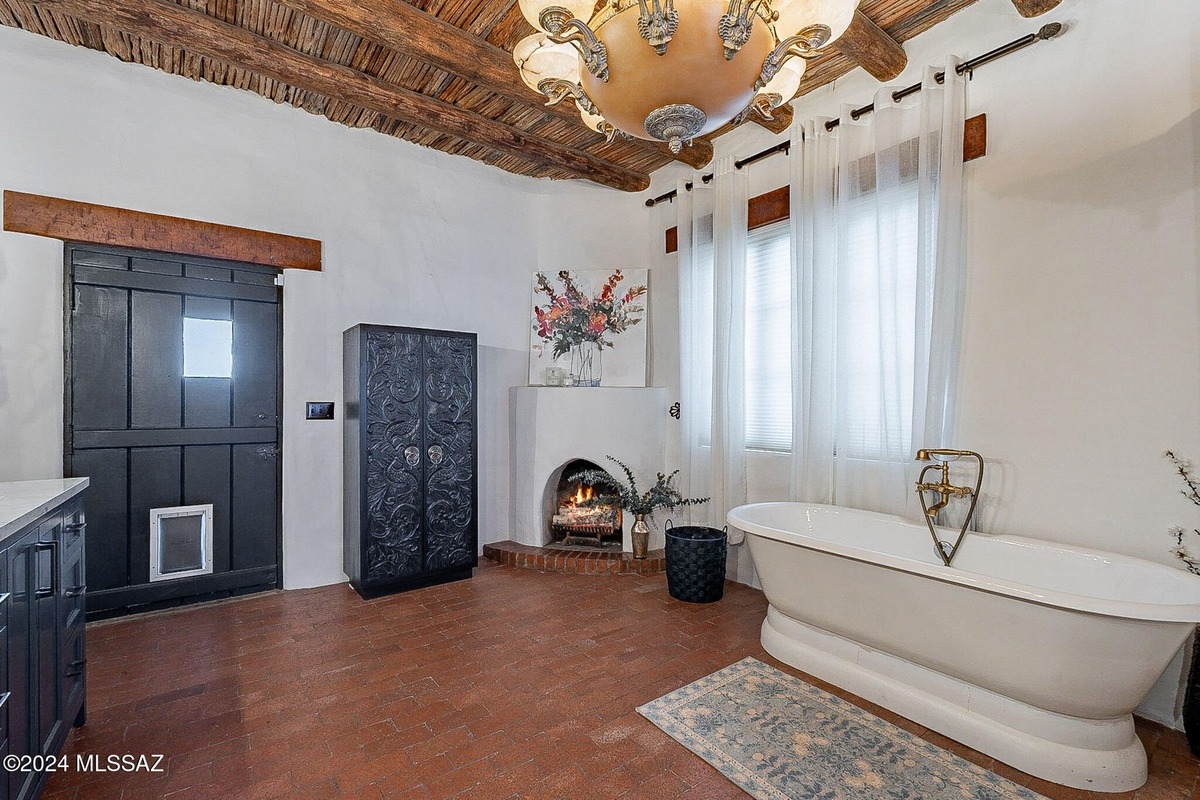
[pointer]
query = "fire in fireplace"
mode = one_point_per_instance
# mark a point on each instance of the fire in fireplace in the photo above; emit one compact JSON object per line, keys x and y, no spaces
{"x":584,"y":514}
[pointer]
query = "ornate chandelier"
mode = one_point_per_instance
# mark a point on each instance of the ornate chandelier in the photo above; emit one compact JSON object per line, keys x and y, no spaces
{"x":671,"y":70}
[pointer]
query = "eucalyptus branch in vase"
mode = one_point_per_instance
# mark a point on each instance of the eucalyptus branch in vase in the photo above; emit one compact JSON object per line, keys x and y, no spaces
{"x":662,"y":494}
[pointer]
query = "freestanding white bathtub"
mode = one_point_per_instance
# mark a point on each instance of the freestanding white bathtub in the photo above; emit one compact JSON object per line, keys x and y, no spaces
{"x":1032,"y":652}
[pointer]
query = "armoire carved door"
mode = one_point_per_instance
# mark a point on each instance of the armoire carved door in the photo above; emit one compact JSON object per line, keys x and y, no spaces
{"x":411,"y":512}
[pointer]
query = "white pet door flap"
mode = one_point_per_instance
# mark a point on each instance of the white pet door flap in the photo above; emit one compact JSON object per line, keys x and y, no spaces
{"x":181,"y":542}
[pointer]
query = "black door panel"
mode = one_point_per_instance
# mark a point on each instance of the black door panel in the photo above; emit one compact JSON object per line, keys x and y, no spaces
{"x":157,"y":423}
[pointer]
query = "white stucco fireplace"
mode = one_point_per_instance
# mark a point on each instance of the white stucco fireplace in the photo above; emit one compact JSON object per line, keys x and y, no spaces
{"x":553,"y":426}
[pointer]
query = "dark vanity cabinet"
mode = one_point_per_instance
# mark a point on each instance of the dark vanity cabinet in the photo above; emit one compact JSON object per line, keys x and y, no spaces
{"x":409,"y":439}
{"x":42,"y":618}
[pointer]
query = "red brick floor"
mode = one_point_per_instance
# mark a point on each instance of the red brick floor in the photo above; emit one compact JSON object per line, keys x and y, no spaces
{"x":515,"y":684}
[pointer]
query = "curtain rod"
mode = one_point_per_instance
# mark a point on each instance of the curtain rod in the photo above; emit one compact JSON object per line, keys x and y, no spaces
{"x":1048,"y":31}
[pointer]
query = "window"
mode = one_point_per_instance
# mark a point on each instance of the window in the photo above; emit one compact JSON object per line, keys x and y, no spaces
{"x":877,"y":314}
{"x":875,"y":320}
{"x":768,"y":339}
{"x":207,"y":348}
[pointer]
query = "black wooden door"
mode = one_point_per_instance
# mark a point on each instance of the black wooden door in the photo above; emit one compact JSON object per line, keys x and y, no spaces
{"x":394,"y":452}
{"x":450,"y":503}
{"x":172,"y":395}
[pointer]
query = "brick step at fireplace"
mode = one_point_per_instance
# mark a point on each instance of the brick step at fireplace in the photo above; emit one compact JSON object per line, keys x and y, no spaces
{"x":574,"y":560}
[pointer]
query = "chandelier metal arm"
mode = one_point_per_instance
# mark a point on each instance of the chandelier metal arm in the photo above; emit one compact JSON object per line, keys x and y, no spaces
{"x":559,"y":89}
{"x":658,"y":26}
{"x":806,"y":44}
{"x":763,"y":104}
{"x":576,"y":32}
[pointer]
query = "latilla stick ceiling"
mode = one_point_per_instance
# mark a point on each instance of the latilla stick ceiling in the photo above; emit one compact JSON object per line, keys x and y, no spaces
{"x":441,"y":74}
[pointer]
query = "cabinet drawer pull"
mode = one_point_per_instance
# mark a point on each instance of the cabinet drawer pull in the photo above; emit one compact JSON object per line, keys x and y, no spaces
{"x":52,"y":589}
{"x":76,"y":591}
{"x":75,"y":668}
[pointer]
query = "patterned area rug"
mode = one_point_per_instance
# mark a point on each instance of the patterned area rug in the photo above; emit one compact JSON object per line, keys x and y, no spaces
{"x":780,"y":738}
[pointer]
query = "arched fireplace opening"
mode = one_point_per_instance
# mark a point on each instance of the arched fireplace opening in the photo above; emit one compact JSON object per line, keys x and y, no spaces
{"x":584,"y":514}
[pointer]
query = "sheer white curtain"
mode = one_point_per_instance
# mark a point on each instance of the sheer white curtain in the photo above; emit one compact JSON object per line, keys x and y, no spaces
{"x":877,"y":297}
{"x":712,"y":247}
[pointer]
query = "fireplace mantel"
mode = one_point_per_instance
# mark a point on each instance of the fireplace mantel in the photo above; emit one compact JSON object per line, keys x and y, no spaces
{"x":550,"y":426}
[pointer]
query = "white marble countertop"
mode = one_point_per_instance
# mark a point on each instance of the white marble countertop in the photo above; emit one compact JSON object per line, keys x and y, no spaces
{"x":22,"y":502}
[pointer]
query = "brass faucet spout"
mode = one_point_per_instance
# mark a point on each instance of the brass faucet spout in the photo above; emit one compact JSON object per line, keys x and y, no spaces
{"x":940,"y":462}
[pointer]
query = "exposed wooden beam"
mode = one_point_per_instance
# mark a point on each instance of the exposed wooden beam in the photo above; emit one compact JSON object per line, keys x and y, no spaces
{"x":782,"y":121}
{"x":73,"y":221}
{"x":1034,"y":8}
{"x":414,"y":33}
{"x":871,"y":47}
{"x":173,"y":25}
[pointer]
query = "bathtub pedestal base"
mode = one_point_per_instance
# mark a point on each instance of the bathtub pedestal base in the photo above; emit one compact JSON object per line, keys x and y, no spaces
{"x":1099,"y":755}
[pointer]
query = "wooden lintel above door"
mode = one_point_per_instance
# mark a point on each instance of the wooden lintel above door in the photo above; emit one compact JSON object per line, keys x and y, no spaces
{"x":73,"y":221}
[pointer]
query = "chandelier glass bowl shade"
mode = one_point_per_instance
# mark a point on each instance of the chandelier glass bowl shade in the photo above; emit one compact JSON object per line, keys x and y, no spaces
{"x":671,"y":70}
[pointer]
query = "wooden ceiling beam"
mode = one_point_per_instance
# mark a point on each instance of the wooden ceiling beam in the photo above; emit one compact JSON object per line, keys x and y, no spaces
{"x":167,"y":23}
{"x":781,"y":122}
{"x":872,"y":49}
{"x":417,"y":34}
{"x":1034,"y":8}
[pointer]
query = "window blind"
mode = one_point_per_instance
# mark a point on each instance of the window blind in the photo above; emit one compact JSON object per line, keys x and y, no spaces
{"x":876,"y":325}
{"x":768,"y":339}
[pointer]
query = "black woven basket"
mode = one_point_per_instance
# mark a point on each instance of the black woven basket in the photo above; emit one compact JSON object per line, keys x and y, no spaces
{"x":696,"y":563}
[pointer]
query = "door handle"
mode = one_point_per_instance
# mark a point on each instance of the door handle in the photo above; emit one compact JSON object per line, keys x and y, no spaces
{"x":436,"y":454}
{"x":76,"y":667}
{"x":76,"y":591}
{"x":52,"y":589}
{"x":412,"y":455}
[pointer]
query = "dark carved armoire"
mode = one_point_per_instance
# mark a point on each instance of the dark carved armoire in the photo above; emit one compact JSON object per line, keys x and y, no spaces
{"x":410,"y":438}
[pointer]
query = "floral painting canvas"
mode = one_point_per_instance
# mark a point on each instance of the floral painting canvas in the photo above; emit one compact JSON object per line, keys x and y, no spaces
{"x":588,"y":328}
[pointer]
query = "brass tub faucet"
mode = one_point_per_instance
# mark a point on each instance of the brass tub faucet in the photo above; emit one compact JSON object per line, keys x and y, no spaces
{"x":946,"y":490}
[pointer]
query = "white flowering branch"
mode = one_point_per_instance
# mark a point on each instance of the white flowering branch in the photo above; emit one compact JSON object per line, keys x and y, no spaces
{"x":1191,"y":491}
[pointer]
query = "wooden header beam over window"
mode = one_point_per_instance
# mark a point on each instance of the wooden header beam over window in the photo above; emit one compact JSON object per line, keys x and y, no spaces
{"x":73,"y":221}
{"x":776,"y":205}
{"x":1035,"y":8}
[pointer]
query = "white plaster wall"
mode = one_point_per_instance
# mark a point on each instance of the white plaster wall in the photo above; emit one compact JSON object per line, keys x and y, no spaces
{"x":557,"y":425}
{"x":411,"y":236}
{"x":587,"y":227}
{"x":1081,"y":349}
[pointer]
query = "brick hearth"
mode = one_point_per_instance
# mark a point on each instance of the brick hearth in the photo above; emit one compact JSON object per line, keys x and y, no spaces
{"x":557,"y":559}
